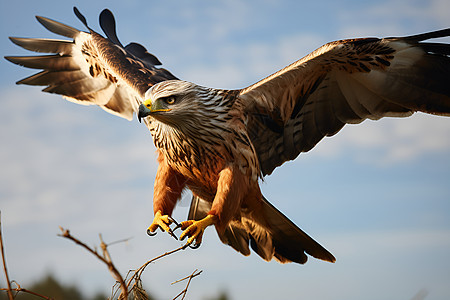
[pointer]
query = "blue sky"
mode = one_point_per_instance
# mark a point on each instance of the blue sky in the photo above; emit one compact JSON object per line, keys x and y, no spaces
{"x":377,"y":195}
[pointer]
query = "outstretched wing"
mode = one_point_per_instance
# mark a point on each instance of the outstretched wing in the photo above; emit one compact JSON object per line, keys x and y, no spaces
{"x":91,"y":69}
{"x":344,"y":82}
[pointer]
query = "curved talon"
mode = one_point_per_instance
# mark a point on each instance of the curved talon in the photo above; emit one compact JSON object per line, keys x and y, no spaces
{"x":172,"y":234}
{"x":149,"y":233}
{"x":195,"y":229}
{"x":195,"y":246}
{"x":177,"y":225}
{"x":190,"y":245}
{"x":163,"y":222}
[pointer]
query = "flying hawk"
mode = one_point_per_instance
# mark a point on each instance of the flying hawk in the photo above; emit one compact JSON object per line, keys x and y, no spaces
{"x":220,"y":143}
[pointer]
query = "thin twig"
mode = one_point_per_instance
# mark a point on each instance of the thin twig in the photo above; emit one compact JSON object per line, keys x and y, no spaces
{"x":105,"y":259}
{"x":19,"y":289}
{"x":136,"y":277}
{"x":187,"y":277}
{"x":184,"y":292}
{"x":137,"y":274}
{"x":119,"y":241}
{"x":5,"y":269}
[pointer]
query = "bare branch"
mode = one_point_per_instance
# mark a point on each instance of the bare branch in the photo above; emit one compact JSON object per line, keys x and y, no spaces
{"x":184,"y":292}
{"x":119,"y":241}
{"x":106,"y":259}
{"x":134,"y":283}
{"x":137,"y":274}
{"x":20,"y":289}
{"x":5,"y":269}
{"x":187,"y":277}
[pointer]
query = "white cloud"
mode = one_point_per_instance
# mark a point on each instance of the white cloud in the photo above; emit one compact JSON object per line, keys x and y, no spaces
{"x":393,"y":18}
{"x":49,"y":148}
{"x":390,"y":141}
{"x":237,"y":65}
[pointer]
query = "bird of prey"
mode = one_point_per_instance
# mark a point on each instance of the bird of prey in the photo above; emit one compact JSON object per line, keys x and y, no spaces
{"x":221,"y":143}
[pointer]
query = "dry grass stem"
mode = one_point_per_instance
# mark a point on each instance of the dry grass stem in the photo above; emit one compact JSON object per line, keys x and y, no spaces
{"x":18,"y":289}
{"x":105,"y":258}
{"x":133,"y":286}
{"x":188,"y":277}
{"x":137,"y":274}
{"x":5,"y":269}
{"x":184,"y":292}
{"x":21,"y":289}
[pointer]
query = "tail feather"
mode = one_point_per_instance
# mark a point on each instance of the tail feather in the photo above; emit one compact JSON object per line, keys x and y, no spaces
{"x":268,"y":232}
{"x":289,"y":241}
{"x":237,"y":237}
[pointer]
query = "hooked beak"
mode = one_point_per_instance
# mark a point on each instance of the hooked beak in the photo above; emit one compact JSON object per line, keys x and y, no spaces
{"x":144,"y":109}
{"x":147,"y":108}
{"x":143,"y":112}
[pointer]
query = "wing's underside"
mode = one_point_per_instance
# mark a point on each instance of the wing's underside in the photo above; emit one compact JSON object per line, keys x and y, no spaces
{"x":91,"y":69}
{"x":345,"y":82}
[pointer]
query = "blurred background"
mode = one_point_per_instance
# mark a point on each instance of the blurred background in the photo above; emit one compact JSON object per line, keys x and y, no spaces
{"x":377,"y":195}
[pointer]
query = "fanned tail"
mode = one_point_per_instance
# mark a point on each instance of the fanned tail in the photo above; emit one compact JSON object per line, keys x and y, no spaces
{"x":268,"y":232}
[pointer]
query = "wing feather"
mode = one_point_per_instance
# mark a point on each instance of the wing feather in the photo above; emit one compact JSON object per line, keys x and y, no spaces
{"x":84,"y":89}
{"x":46,"y":62}
{"x":57,"y":27}
{"x":345,"y":82}
{"x":91,"y":69}
{"x":44,"y":45}
{"x":53,"y":77}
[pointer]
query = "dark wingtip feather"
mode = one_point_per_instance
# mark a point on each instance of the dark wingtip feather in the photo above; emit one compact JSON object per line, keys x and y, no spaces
{"x":429,"y":35}
{"x":139,"y":51}
{"x":108,"y":25}
{"x":80,"y":17}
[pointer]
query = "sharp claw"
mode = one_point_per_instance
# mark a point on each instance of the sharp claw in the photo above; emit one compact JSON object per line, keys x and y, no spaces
{"x":174,"y":222}
{"x":189,"y":244}
{"x":176,"y":227}
{"x":151,"y":233}
{"x":195,"y":246}
{"x":163,"y":223}
{"x":172,"y":234}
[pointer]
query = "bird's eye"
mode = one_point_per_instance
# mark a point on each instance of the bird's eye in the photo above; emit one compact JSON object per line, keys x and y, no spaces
{"x":170,"y":100}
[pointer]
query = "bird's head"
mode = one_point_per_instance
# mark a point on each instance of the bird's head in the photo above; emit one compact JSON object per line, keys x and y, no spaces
{"x":183,"y":105}
{"x":169,"y":100}
{"x":190,"y":110}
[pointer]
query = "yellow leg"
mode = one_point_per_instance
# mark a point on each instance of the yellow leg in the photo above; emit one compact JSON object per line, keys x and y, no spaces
{"x":161,"y":221}
{"x":194,"y":229}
